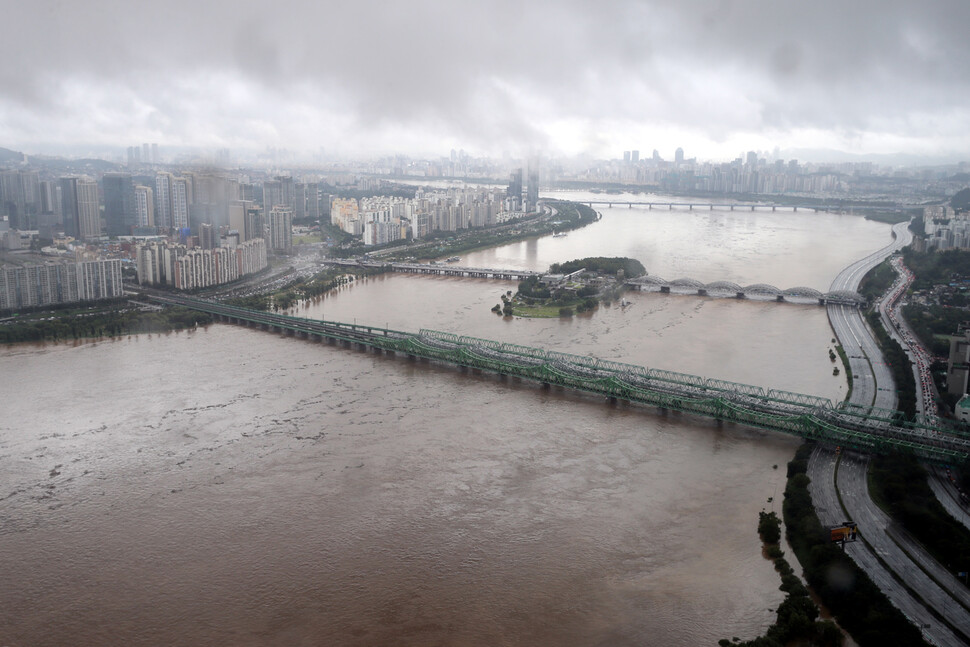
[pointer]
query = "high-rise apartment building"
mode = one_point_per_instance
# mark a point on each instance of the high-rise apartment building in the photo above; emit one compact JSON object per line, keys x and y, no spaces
{"x":272,"y":194}
{"x":307,"y":203}
{"x":345,"y":214}
{"x":245,"y":217}
{"x":24,"y":286}
{"x":80,"y":208}
{"x":173,"y":197}
{"x":181,"y":199}
{"x":144,"y":206}
{"x":19,"y":197}
{"x":281,"y":229}
{"x":532,"y":191}
{"x":47,"y":191}
{"x":89,"y":209}
{"x":515,"y":185}
{"x":287,"y":191}
{"x":119,"y":204}
{"x":163,"y":200}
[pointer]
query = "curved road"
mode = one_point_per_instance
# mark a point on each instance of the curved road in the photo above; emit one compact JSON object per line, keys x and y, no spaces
{"x":872,"y":383}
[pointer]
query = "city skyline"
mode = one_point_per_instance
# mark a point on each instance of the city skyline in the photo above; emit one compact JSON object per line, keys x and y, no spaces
{"x":714,"y":78}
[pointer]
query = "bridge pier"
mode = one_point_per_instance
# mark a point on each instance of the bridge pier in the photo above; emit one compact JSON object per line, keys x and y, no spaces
{"x":774,"y":208}
{"x":665,"y":289}
{"x":670,"y":207}
{"x":780,"y":297}
{"x":690,"y":207}
{"x":650,"y":206}
{"x":701,"y":292}
{"x":795,"y":209}
{"x":732,"y":207}
{"x":752,"y":207}
{"x":740,"y":295}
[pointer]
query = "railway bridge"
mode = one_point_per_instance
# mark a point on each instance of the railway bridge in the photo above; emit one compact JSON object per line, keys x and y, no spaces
{"x":865,"y":429}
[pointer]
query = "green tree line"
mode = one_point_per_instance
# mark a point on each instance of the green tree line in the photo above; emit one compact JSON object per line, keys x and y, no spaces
{"x":934,"y":268}
{"x":797,"y":616}
{"x":857,"y":604}
{"x":900,"y":483}
{"x":103,"y":324}
{"x":877,"y":281}
{"x":899,"y":364}
{"x":629,"y":266}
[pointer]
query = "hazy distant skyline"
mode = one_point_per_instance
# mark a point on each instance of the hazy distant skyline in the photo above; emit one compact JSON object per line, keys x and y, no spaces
{"x":566,"y":77}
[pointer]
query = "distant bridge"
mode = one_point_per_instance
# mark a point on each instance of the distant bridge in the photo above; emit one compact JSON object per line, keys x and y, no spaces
{"x":727,"y":288}
{"x":730,"y":206}
{"x":861,"y":428}
{"x":441,"y":269}
{"x":643,"y":283}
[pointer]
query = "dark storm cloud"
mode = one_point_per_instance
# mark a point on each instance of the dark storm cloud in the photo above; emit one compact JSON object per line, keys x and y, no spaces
{"x":494,"y":74}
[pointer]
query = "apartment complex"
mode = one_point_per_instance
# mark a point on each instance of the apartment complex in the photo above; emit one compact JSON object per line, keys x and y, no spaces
{"x":186,"y":269}
{"x":23,"y":286}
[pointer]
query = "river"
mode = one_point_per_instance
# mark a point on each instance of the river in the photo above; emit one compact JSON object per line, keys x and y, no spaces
{"x":232,"y":486}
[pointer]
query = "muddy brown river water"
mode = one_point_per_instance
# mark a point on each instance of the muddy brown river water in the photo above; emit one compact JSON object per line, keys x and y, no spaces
{"x":230,"y":486}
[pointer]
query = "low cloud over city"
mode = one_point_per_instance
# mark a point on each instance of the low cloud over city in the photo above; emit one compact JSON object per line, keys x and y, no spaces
{"x":716,"y":77}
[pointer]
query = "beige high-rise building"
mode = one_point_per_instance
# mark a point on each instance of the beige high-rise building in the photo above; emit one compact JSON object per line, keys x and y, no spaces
{"x":281,"y":229}
{"x":144,"y":206}
{"x":89,"y":211}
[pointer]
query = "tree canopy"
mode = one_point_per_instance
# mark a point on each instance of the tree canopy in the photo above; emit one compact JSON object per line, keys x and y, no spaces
{"x":961,"y":201}
{"x":606,"y":265}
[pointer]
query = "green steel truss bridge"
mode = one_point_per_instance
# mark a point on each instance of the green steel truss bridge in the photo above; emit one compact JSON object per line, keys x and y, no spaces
{"x":864,"y":429}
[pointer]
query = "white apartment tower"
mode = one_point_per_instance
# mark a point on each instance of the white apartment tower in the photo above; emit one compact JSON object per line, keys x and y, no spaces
{"x":89,"y":211}
{"x":163,"y":200}
{"x":144,"y":206}
{"x":281,"y":229}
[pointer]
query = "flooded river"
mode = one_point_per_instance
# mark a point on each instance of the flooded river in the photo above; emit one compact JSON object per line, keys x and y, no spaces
{"x":231,"y":486}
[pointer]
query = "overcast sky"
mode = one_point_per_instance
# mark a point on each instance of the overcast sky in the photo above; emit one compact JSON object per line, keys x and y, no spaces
{"x":716,"y":77}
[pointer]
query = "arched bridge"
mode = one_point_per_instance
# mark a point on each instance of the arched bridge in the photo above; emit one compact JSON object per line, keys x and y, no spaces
{"x":760,"y":290}
{"x":863,"y":429}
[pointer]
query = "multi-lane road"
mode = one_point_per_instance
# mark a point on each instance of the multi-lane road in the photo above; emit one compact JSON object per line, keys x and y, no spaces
{"x":872,"y":382}
{"x":887,"y":549}
{"x":821,"y":469}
